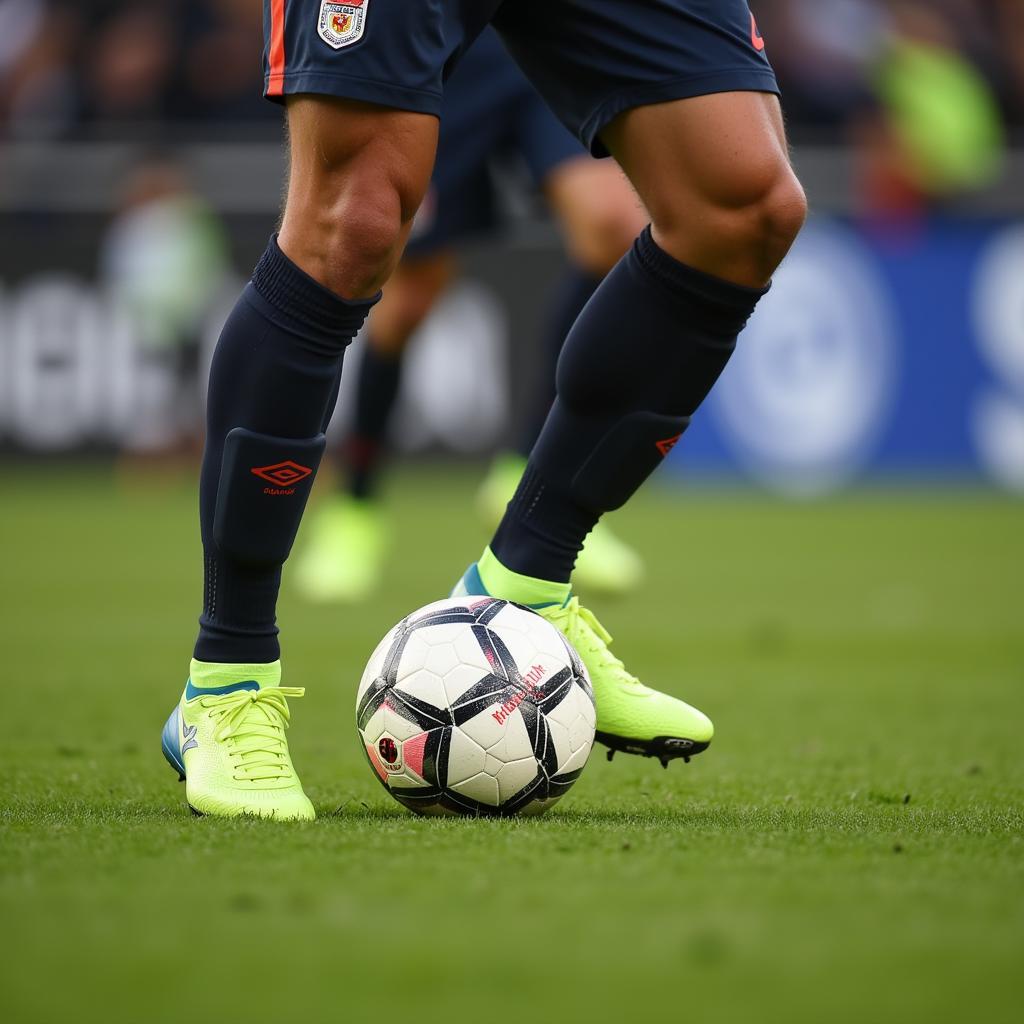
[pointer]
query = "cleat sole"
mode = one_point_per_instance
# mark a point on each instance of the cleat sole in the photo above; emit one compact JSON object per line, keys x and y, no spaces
{"x":664,"y":748}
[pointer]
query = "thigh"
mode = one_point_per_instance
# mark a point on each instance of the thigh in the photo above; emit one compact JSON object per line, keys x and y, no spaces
{"x":727,"y":149}
{"x":357,"y":175}
{"x":715,"y":175}
{"x":594,"y":59}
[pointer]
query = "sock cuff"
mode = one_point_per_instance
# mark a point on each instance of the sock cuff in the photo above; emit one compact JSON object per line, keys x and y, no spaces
{"x":678,"y":277}
{"x":288,"y":288}
{"x":216,"y":673}
{"x":501,"y":581}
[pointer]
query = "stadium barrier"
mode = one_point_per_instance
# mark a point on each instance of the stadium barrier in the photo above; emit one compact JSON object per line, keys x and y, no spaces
{"x":879,"y":351}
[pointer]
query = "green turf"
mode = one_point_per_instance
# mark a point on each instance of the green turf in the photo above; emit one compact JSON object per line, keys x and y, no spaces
{"x":848,"y":850}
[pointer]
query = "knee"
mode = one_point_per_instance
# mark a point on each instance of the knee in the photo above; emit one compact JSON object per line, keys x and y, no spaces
{"x":358,"y":237}
{"x":747,"y":221}
{"x":351,"y":201}
{"x":775,"y":218}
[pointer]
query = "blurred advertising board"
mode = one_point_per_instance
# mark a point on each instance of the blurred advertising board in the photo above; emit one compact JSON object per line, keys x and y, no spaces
{"x":878,"y":352}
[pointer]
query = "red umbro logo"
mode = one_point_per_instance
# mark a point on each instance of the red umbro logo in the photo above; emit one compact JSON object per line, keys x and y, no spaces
{"x":668,"y":444}
{"x":284,"y":474}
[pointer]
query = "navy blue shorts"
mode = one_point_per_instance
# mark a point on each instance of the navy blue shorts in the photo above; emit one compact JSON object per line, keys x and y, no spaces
{"x":490,"y":112}
{"x":589,"y":59}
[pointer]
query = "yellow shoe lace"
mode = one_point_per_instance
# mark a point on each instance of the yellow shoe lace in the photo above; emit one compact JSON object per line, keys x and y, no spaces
{"x":252,"y":723}
{"x":593,"y":642}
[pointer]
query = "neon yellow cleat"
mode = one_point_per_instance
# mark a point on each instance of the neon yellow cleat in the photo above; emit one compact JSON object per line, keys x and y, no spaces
{"x":606,"y":565}
{"x":631,"y":717}
{"x":226,"y":739}
{"x":343,"y":561}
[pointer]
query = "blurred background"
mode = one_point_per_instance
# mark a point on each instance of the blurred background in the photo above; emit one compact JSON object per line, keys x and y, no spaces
{"x":140,"y":176}
{"x":842,"y":592}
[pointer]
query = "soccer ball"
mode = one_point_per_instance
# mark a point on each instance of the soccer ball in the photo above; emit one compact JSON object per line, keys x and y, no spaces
{"x":476,"y":706}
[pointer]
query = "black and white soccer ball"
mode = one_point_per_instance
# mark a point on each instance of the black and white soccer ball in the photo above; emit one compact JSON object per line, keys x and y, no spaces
{"x":476,"y":706}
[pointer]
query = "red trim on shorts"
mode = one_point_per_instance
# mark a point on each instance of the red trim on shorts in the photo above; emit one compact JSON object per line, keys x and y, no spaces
{"x":275,"y":80}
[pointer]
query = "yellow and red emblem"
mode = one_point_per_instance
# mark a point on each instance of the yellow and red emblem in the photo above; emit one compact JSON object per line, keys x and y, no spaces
{"x":342,"y":22}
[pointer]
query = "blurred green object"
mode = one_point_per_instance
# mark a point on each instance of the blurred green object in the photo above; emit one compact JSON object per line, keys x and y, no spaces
{"x":848,"y":850}
{"x":165,"y":260}
{"x":342,"y":560}
{"x":607,"y":564}
{"x":945,"y":114}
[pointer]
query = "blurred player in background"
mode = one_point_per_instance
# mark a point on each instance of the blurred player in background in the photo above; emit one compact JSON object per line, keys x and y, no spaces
{"x":681,"y":93}
{"x":490,"y":112}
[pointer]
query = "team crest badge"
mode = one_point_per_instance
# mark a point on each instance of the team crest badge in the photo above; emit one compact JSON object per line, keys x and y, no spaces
{"x":342,"y":24}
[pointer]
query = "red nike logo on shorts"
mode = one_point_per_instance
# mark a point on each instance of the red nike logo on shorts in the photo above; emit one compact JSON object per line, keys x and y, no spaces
{"x":755,"y":35}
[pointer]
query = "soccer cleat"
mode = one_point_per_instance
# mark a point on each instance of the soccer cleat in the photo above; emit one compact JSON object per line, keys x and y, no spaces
{"x":606,"y":565}
{"x":631,"y":717}
{"x":226,"y":740}
{"x":343,"y":561}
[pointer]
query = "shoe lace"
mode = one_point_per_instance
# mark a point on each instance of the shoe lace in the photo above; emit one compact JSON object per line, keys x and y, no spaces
{"x":593,"y":642}
{"x":252,"y":723}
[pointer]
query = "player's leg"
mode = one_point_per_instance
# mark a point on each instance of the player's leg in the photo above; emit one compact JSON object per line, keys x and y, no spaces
{"x":725,"y":206}
{"x":357,"y":175}
{"x":344,"y":557}
{"x":653,"y":340}
{"x":413,"y":291}
{"x":599,"y":215}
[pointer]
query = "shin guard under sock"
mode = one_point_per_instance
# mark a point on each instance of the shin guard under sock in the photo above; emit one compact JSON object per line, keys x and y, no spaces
{"x":273,"y":382}
{"x":641,"y":358}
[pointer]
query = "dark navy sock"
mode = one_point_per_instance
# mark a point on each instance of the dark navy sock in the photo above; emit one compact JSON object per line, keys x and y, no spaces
{"x":641,"y":358}
{"x":380,"y":376}
{"x":570,"y":297}
{"x":273,"y":383}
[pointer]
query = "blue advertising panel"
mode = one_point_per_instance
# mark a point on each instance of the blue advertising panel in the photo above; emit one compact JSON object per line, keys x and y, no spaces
{"x":877,"y":351}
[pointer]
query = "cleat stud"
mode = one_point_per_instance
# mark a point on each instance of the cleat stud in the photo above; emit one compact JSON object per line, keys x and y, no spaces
{"x":686,"y":759}
{"x":664,"y":762}
{"x":611,"y":753}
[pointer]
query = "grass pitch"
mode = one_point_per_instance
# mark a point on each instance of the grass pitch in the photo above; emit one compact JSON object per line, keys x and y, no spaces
{"x":848,"y":850}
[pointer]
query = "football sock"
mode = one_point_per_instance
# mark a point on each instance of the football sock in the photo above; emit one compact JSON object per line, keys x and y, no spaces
{"x":206,"y":674}
{"x":514,"y":586}
{"x":570,"y":297}
{"x":641,"y":358}
{"x":380,"y":375}
{"x":273,"y":383}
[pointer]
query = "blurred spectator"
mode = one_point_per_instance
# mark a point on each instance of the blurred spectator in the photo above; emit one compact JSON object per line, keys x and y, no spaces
{"x":68,"y":67}
{"x":938,"y":130}
{"x":129,"y":62}
{"x":165,"y":261}
{"x":822,"y":51}
{"x":221,"y":72}
{"x":38,"y":91}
